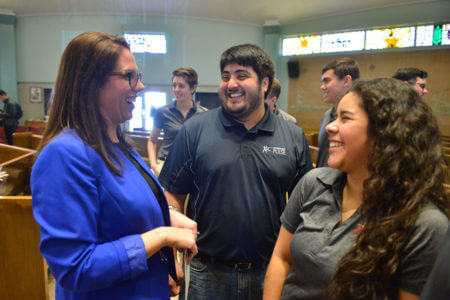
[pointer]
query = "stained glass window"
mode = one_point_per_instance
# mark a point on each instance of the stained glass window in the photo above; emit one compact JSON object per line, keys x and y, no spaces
{"x":390,"y":38}
{"x":385,"y":38}
{"x":424,"y":35}
{"x":301,"y":45}
{"x":343,"y":41}
{"x":445,"y":34}
{"x":146,"y":42}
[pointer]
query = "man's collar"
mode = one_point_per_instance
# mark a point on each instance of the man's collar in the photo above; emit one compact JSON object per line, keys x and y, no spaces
{"x":173,"y":105}
{"x":276,"y":111}
{"x":333,"y":113}
{"x":267,"y":123}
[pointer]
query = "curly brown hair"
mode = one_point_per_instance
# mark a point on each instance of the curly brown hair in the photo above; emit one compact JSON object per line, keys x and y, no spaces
{"x":406,"y":169}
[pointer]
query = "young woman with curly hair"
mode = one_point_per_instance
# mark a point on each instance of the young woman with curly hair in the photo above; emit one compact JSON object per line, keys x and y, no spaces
{"x":371,"y":227}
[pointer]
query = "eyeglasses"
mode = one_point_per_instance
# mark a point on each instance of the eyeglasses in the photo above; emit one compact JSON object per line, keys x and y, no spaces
{"x":132,"y":76}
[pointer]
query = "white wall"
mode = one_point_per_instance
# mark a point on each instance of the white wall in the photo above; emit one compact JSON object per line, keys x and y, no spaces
{"x":41,"y":41}
{"x":196,"y":43}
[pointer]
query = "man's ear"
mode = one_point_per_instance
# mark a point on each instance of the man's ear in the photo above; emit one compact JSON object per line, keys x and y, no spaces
{"x":348,"y":81}
{"x":193,"y":89}
{"x":265,"y":84}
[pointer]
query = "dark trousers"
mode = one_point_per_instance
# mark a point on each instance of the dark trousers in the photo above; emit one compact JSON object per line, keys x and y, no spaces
{"x":9,"y":130}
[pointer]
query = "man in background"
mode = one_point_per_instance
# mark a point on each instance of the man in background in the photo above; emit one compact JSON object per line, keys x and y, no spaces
{"x":416,"y":78}
{"x":237,"y":162}
{"x":8,"y":116}
{"x":337,"y":78}
{"x":272,"y":99}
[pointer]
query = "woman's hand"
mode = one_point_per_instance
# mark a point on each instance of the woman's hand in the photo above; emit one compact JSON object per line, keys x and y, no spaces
{"x":179,"y":220}
{"x":178,"y":238}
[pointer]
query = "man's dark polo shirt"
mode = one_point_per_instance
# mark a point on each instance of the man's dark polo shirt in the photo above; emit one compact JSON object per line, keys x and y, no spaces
{"x":170,"y":119}
{"x":237,"y":179}
{"x":324,"y":142}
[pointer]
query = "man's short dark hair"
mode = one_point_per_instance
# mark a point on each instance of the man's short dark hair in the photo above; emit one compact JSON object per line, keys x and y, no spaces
{"x":248,"y":55}
{"x":275,"y":90}
{"x":343,"y":67}
{"x":409,"y":74}
{"x":188,"y":73}
{"x":2,"y":92}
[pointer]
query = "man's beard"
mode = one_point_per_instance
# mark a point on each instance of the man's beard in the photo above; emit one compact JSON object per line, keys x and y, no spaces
{"x":254,"y":100}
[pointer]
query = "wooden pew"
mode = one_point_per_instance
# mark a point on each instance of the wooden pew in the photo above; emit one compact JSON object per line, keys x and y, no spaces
{"x":17,"y":162}
{"x":314,"y":151}
{"x":35,"y":126}
{"x":139,"y":141}
{"x":26,"y":140}
{"x":3,"y":136}
{"x":309,"y":129}
{"x":312,"y":138}
{"x":23,"y":272}
{"x":446,"y":149}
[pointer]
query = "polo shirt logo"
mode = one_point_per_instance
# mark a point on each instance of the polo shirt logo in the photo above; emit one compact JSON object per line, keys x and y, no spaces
{"x":274,"y":150}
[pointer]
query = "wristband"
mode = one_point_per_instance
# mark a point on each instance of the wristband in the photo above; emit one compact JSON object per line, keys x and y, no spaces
{"x":174,"y":208}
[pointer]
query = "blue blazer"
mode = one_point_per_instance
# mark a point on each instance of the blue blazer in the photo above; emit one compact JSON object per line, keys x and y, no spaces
{"x":91,"y":221}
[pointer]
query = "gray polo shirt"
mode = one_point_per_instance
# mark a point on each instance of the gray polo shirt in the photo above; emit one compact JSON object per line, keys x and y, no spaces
{"x":284,"y":115}
{"x":324,"y":142}
{"x":170,"y":120}
{"x":317,"y":246}
{"x":237,"y":180}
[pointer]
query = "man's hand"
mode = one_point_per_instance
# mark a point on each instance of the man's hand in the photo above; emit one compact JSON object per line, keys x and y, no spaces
{"x":179,"y":220}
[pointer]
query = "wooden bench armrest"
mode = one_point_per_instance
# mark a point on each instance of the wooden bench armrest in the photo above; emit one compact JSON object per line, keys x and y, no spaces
{"x":14,"y":160}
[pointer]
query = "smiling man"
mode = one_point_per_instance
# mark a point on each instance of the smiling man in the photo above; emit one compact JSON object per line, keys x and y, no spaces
{"x":337,"y":78}
{"x":237,"y":162}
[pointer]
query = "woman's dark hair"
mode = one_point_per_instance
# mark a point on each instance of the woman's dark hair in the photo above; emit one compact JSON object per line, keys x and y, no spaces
{"x":84,"y":69}
{"x":188,"y":74}
{"x":406,"y":166}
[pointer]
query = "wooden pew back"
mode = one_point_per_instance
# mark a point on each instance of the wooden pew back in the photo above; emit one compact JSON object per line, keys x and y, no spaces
{"x":35,"y":126}
{"x":139,"y":141}
{"x":23,"y":270}
{"x":17,"y":162}
{"x":312,"y":138}
{"x":314,"y":151}
{"x":26,"y":140}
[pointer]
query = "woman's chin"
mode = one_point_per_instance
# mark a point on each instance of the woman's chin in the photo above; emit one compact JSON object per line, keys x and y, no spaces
{"x":333,"y":164}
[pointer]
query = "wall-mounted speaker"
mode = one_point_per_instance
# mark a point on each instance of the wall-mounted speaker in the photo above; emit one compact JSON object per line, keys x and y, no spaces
{"x":293,"y":69}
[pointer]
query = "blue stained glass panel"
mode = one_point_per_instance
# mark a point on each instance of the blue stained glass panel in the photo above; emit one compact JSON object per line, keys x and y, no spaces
{"x":344,"y":41}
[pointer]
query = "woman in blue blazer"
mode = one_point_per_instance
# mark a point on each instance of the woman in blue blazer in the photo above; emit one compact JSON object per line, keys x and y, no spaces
{"x":106,"y":229}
